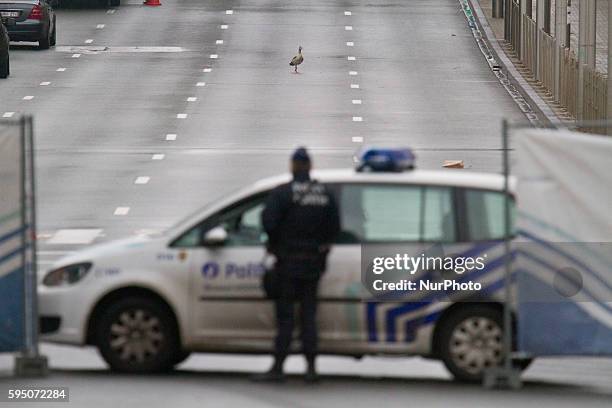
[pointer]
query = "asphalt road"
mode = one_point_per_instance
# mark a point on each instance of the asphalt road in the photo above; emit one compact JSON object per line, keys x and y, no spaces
{"x":194,"y":102}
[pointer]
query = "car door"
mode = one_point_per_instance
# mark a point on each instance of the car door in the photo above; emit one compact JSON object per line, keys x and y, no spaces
{"x":227,"y":303}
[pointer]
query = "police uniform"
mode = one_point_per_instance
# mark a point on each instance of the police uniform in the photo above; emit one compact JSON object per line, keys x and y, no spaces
{"x":301,"y":219}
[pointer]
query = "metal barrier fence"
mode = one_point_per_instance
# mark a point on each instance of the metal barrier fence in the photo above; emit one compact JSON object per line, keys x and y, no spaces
{"x":537,"y":51}
{"x":18,"y":300}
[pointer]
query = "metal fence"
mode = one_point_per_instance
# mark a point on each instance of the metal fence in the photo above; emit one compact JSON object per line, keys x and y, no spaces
{"x":18,"y":308}
{"x":537,"y":51}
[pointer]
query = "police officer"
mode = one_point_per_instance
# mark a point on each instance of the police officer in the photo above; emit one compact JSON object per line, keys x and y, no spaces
{"x":301,"y":220}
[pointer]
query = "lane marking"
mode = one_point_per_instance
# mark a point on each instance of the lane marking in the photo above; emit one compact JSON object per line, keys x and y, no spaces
{"x":158,"y":157}
{"x":181,"y":116}
{"x":218,"y":42}
{"x":61,"y":69}
{"x":224,"y":26}
{"x":192,"y":99}
{"x":353,"y":73}
{"x":111,"y":11}
{"x":142,"y":180}
{"x":89,"y":41}
{"x":207,"y":70}
{"x":28,"y":97}
{"x":76,"y":55}
{"x":354,"y":86}
{"x":229,"y":11}
{"x":348,"y":13}
{"x":356,"y":101}
{"x":357,"y":119}
{"x":201,"y":84}
{"x":46,"y":83}
{"x":74,"y":236}
{"x":351,"y":58}
{"x":357,"y":139}
{"x":8,"y":114}
{"x":122,"y":211}
{"x":214,"y":56}
{"x":100,"y":26}
{"x":171,"y":136}
{"x":348,"y":28}
{"x":350,"y":44}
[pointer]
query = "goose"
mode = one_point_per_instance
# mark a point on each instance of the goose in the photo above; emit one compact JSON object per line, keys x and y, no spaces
{"x":297,"y":60}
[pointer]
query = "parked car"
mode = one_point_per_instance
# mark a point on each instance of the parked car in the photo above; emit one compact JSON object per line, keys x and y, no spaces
{"x":4,"y":52}
{"x":34,"y":21}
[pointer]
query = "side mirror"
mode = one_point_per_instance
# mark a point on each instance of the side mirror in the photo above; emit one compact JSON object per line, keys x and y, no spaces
{"x":215,"y":237}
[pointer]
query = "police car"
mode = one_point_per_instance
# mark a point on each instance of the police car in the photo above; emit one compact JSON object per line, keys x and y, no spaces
{"x":147,"y":302}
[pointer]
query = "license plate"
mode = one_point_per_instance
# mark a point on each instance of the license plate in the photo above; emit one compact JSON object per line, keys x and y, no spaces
{"x":9,"y":14}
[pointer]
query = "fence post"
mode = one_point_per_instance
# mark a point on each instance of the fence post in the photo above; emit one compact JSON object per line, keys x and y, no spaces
{"x":609,"y":81}
{"x":586,"y":47}
{"x":560,"y":27}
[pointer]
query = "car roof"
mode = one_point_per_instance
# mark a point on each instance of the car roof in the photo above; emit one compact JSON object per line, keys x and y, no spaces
{"x":449,"y":177}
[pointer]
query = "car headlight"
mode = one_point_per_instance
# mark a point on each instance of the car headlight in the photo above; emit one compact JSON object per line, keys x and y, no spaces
{"x":67,"y":275}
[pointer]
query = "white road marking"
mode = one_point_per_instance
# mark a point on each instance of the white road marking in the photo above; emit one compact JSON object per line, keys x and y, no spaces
{"x":158,"y":157}
{"x":354,"y":86}
{"x":142,"y":180}
{"x":192,"y":99}
{"x":61,"y":69}
{"x":76,"y":55}
{"x":111,"y":11}
{"x":46,"y":83}
{"x":52,"y":253}
{"x":224,"y":26}
{"x":122,"y":211}
{"x":357,"y":139}
{"x":229,"y":11}
{"x":100,"y":26}
{"x":348,"y":13}
{"x":171,"y":136}
{"x":89,"y":41}
{"x":74,"y":236}
{"x":8,"y":114}
{"x":348,"y":28}
{"x":218,"y":42}
{"x":350,"y":43}
{"x":356,"y":101}
{"x":181,"y":116}
{"x":207,"y":70}
{"x":351,"y":58}
{"x":214,"y":56}
{"x":201,"y":84}
{"x":353,"y":73}
{"x":28,"y":97}
{"x":357,"y":119}
{"x":97,"y":49}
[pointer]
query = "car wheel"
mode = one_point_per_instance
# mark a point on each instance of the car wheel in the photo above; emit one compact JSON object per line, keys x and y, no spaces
{"x":181,"y":356}
{"x":115,"y":3}
{"x":138,"y":335}
{"x":45,"y":43}
{"x":471,"y":341}
{"x":5,"y":67}
{"x":53,"y":39}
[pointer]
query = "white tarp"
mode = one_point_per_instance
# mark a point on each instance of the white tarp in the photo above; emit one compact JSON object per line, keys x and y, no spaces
{"x":11,"y":239}
{"x":564,"y":262}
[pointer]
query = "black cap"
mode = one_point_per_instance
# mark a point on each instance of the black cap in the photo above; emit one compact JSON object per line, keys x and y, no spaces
{"x":301,"y":155}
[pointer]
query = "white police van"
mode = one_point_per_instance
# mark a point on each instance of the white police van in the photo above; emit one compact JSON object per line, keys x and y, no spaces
{"x":147,"y":302}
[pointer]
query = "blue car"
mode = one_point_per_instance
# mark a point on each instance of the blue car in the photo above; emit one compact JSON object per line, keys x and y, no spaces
{"x":34,"y":20}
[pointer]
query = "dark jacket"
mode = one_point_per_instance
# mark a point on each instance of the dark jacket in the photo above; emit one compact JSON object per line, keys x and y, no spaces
{"x":301,"y":219}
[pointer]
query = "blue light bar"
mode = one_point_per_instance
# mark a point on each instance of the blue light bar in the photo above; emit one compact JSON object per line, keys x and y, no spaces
{"x":381,"y":160}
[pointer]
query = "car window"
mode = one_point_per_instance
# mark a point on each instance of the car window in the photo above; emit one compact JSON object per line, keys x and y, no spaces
{"x":242,"y":221}
{"x":396,"y":213}
{"x":485,"y":213}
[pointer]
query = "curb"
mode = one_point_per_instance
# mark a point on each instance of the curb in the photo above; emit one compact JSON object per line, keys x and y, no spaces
{"x":531,"y":104}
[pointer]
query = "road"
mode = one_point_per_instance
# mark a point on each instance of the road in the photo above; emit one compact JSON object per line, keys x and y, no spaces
{"x":143,"y":115}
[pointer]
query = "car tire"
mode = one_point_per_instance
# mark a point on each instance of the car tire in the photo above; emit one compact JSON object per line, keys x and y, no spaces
{"x":180,"y":356}
{"x":53,"y":39}
{"x":5,"y":67}
{"x":45,"y":43}
{"x":102,"y":3}
{"x":471,"y":341}
{"x":115,"y":3}
{"x":138,"y":335}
